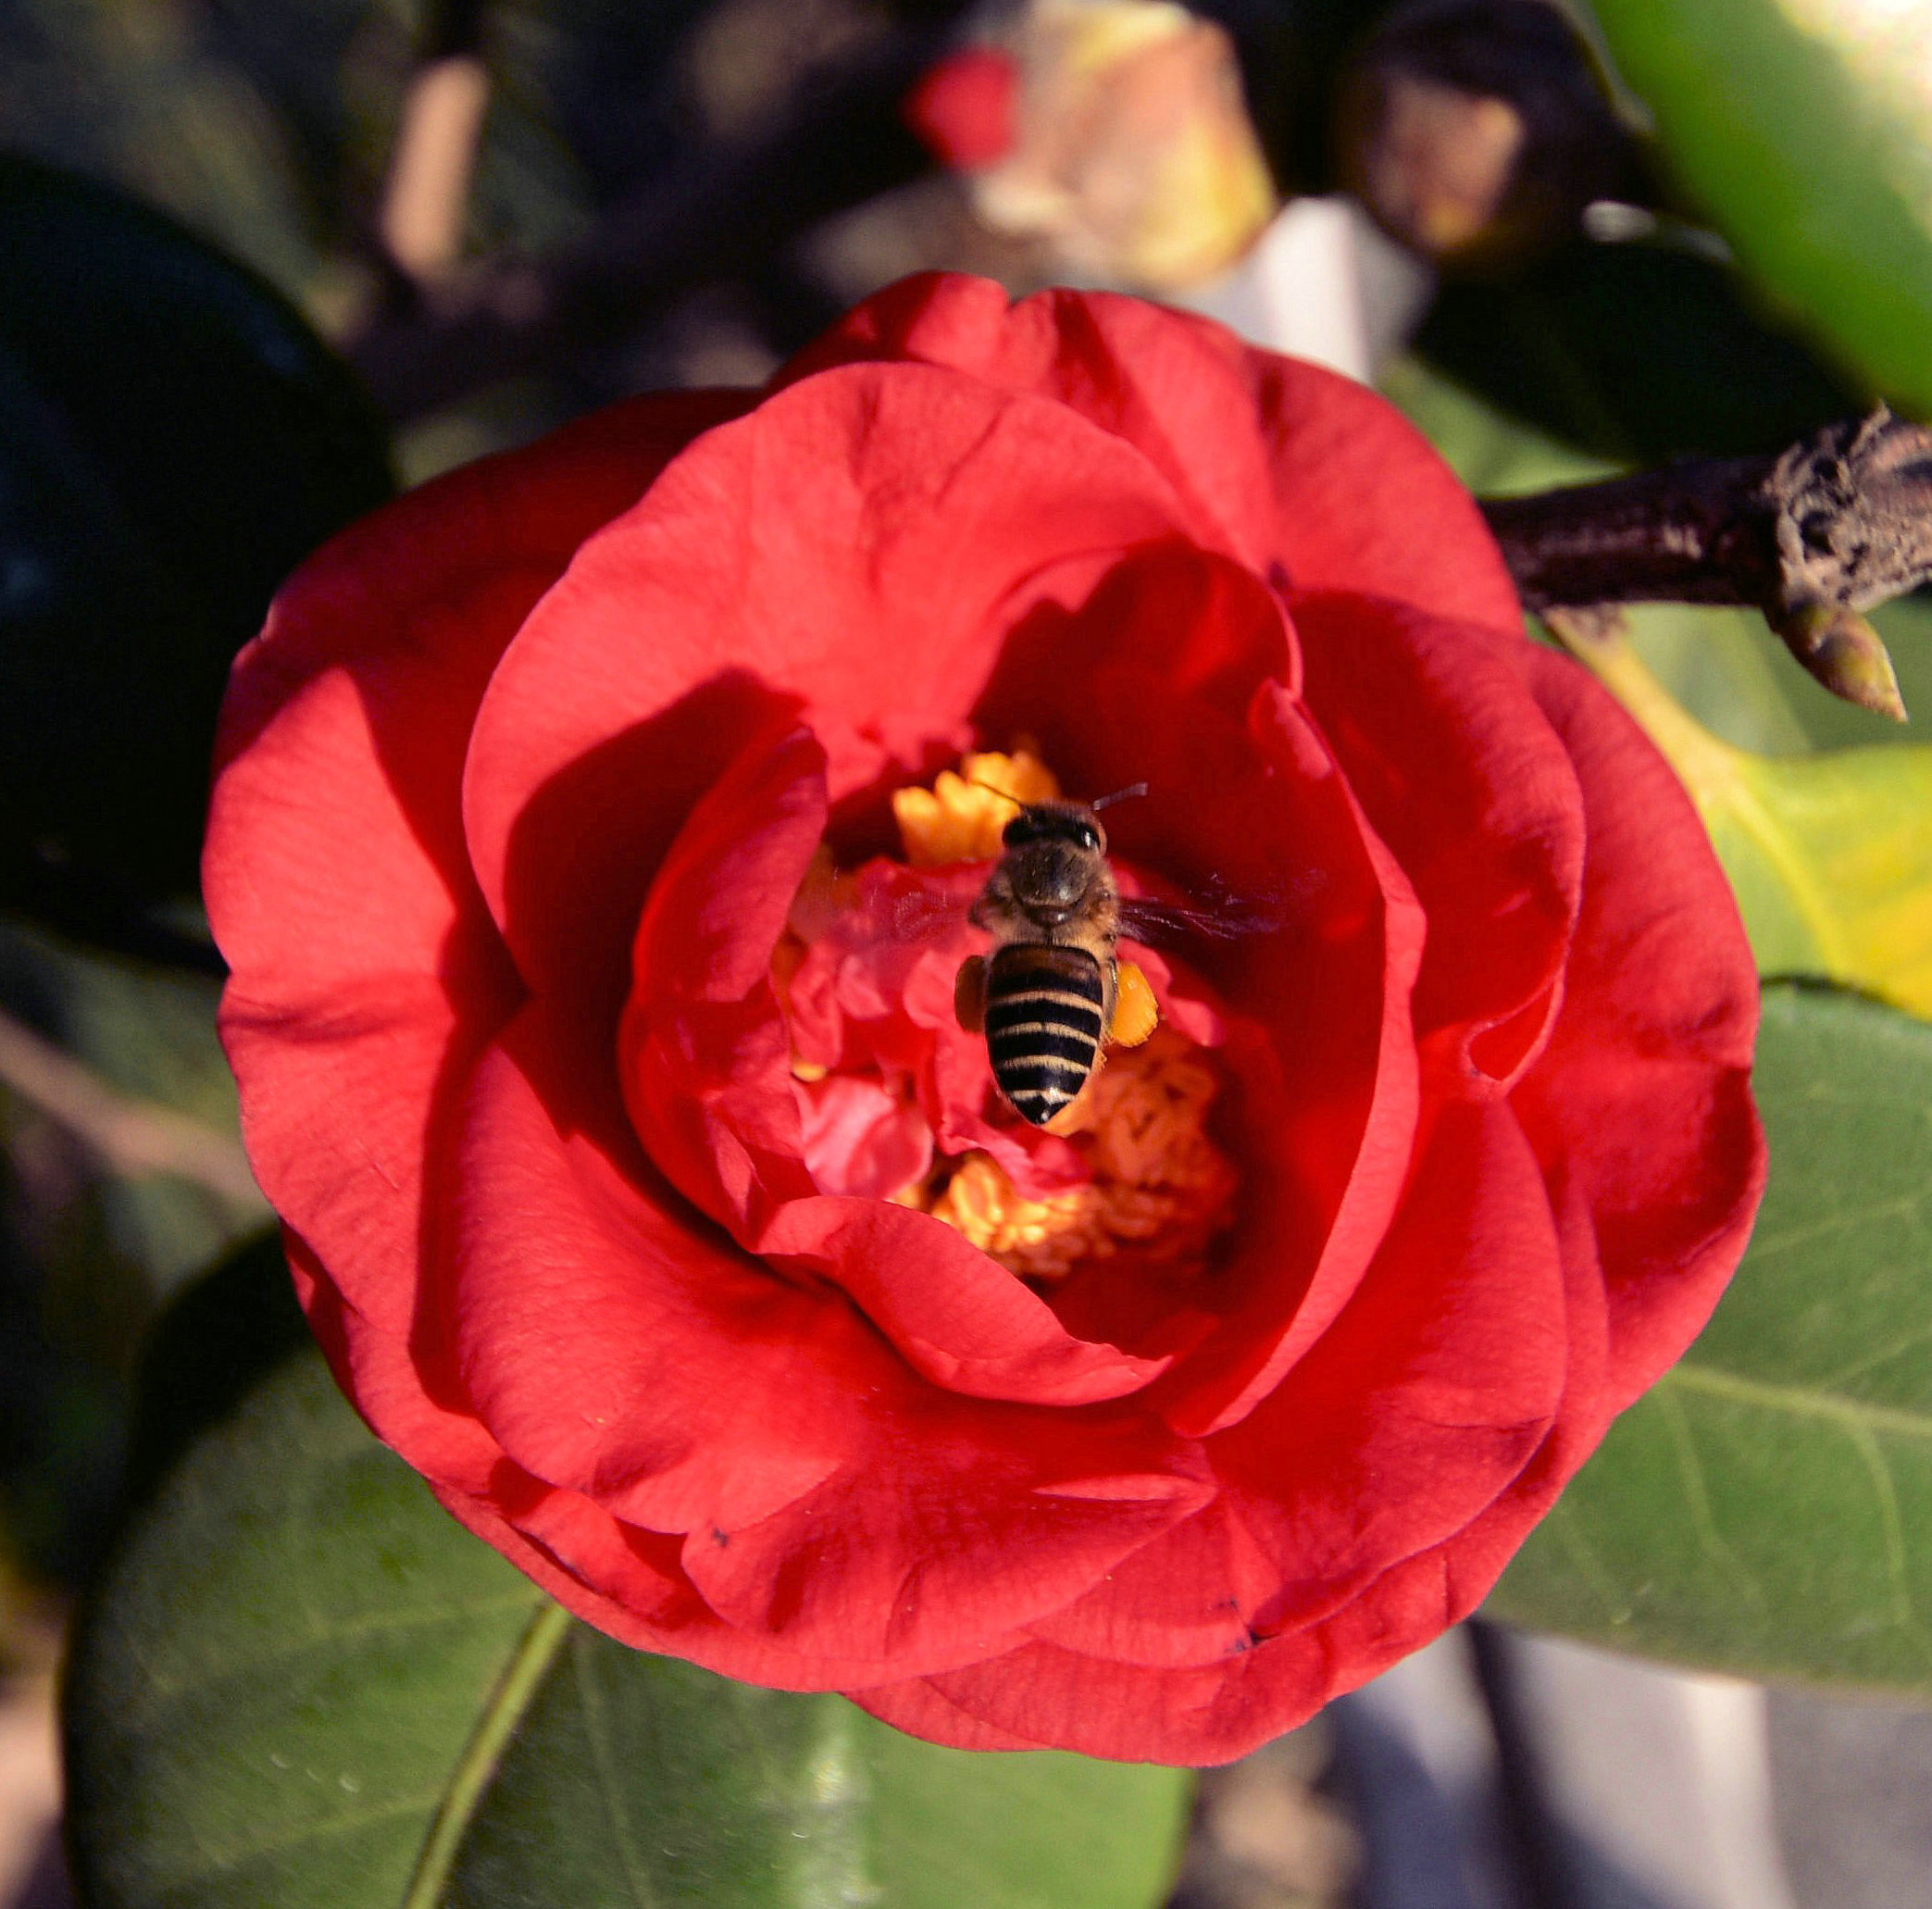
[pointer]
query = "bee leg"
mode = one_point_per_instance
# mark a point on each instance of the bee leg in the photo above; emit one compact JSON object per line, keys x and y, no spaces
{"x":970,"y":994}
{"x":1136,"y":1012}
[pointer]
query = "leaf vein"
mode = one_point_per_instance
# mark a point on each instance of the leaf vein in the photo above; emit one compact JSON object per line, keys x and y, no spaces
{"x":1567,"y":1524}
{"x":1690,"y":1469}
{"x":1809,"y":1404}
{"x":223,"y":1859}
{"x":1845,"y":1220}
{"x":1904,"y":1618}
{"x":597,"y":1734}
{"x":167,"y":1689}
{"x":502,"y":1711}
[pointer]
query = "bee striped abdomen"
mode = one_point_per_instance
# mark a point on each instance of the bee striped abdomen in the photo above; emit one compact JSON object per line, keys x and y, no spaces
{"x":1045,"y":1013}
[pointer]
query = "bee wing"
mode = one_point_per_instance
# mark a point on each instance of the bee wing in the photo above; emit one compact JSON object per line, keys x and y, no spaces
{"x":1217,"y":912}
{"x":922,"y":916}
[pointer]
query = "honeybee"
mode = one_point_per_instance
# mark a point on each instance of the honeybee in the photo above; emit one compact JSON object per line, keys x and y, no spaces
{"x":1051,"y":994}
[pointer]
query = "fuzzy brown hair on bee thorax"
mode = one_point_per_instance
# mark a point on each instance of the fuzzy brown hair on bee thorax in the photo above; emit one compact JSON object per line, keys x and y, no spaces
{"x":1053,"y":883}
{"x":1050,"y":889}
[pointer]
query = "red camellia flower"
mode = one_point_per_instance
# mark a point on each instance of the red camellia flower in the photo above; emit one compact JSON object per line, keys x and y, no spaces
{"x":589,"y":855}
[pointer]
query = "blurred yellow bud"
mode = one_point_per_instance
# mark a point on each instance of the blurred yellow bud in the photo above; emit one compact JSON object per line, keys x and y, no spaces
{"x":1131,"y":153}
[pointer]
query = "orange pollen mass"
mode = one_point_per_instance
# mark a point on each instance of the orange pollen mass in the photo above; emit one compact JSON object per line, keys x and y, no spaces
{"x":1161,"y":1187}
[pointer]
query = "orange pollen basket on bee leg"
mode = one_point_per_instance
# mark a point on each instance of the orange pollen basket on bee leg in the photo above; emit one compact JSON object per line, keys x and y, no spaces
{"x":1160,"y":1186}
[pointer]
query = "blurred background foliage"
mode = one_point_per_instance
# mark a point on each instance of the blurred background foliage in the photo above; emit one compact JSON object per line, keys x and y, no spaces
{"x":220,"y":339}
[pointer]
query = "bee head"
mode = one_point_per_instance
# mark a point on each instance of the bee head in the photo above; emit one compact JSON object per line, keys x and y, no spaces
{"x":1055,"y":861}
{"x":1070,"y":822}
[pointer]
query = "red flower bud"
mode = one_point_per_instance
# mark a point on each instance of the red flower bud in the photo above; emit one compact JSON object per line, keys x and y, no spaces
{"x":962,"y":109}
{"x":596,"y":1041}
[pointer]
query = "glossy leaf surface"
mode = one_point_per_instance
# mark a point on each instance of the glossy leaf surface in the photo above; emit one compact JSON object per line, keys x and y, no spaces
{"x":301,"y":1683}
{"x":1805,"y":127}
{"x":1762,"y":1509}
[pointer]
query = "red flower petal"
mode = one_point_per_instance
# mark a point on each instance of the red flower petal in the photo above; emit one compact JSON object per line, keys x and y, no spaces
{"x":959,"y":1318}
{"x":1430,"y":1392}
{"x":1338,"y":999}
{"x":961,"y":1528}
{"x":1450,"y":757}
{"x":702,"y":1390}
{"x":1288,"y":465}
{"x":1363,"y":503}
{"x":1642,"y":1099}
{"x":849,"y":522}
{"x":704,"y":1060}
{"x":1161,"y":382}
{"x":631,"y":1584}
{"x":360,"y":981}
{"x":1420,"y":1405}
{"x":707,"y":1070}
{"x":379,"y":1369}
{"x":859,"y":1141}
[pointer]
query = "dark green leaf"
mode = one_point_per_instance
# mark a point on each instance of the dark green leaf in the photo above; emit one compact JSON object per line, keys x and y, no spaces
{"x":1765,"y":1509}
{"x":91,"y":1238}
{"x":208,"y":1350}
{"x":299,"y":1683}
{"x":173,"y":440}
{"x":1806,"y":130}
{"x":1637,"y":353}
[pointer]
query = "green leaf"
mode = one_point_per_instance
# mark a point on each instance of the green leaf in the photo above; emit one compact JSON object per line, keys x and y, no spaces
{"x":1637,"y":352}
{"x":1830,"y":856}
{"x":1805,"y":127}
{"x":1764,"y":1508}
{"x":300,"y":1683}
{"x":1494,"y":453}
{"x":173,"y":441}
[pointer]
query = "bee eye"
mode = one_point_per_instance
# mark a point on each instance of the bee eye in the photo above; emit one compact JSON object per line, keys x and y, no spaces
{"x":1089,"y":836}
{"x":1022,"y":829}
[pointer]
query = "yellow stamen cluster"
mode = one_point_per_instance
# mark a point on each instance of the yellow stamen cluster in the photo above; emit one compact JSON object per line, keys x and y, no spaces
{"x":1161,"y":1187}
{"x":962,"y":817}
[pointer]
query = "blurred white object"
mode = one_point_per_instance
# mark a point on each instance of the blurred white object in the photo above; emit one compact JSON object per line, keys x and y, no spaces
{"x":1664,"y":1774}
{"x":1324,"y":282}
{"x":1645,"y":1785}
{"x":30,"y":1778}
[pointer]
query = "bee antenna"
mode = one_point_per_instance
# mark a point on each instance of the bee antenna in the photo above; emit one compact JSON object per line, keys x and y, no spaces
{"x":1002,"y":794}
{"x":1118,"y":796}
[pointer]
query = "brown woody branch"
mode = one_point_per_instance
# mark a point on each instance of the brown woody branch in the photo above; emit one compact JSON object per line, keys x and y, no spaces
{"x":1831,"y":527}
{"x":1844,"y":518}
